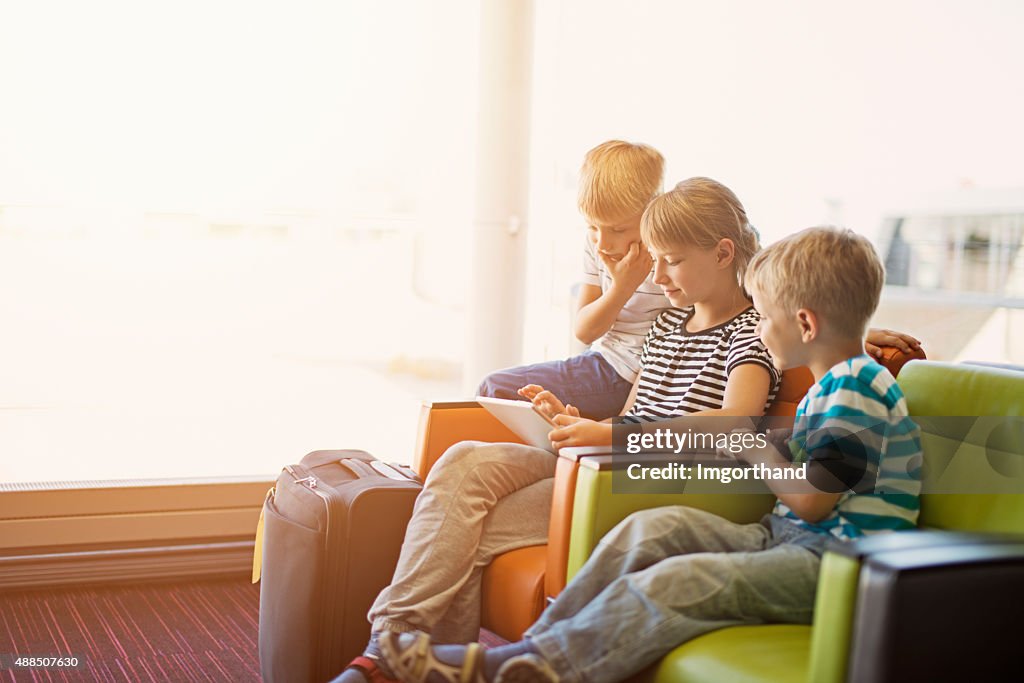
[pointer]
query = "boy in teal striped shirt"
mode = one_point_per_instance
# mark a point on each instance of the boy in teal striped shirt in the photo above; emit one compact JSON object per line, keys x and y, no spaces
{"x":816,"y":291}
{"x":667,"y":575}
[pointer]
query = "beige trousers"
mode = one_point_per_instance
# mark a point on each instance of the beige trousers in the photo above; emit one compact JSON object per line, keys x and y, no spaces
{"x":479,"y":500}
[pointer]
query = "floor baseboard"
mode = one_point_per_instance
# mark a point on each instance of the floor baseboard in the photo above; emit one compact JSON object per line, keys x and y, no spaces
{"x":128,"y":565}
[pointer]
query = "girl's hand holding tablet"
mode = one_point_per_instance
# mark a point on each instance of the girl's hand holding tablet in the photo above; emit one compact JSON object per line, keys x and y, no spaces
{"x":579,"y":431}
{"x":546,"y":402}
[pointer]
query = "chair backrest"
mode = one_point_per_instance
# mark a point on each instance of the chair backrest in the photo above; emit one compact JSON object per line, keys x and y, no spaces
{"x":443,"y":424}
{"x":792,"y":390}
{"x":974,"y":467}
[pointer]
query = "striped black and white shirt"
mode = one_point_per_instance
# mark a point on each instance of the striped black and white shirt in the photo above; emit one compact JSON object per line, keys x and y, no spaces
{"x":686,"y":372}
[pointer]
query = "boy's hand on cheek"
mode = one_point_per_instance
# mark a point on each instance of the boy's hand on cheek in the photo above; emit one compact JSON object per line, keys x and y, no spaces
{"x":579,"y":431}
{"x":632,"y":269}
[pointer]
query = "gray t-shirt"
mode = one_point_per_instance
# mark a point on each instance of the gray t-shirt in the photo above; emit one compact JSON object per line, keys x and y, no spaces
{"x":621,"y":345}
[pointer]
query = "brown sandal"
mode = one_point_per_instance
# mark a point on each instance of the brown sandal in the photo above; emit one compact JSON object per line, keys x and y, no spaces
{"x":411,"y":657}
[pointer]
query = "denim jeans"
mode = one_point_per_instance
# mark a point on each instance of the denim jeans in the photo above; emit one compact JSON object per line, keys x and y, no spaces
{"x":665,"y":576}
{"x":587,"y":381}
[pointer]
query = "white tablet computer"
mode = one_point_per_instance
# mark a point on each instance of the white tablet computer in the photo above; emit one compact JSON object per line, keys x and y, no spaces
{"x":522,"y":418}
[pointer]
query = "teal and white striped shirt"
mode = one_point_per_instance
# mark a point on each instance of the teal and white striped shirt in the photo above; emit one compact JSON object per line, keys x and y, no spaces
{"x":854,"y":423}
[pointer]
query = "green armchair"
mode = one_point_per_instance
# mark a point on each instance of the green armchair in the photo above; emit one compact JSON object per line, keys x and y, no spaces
{"x":821,"y":652}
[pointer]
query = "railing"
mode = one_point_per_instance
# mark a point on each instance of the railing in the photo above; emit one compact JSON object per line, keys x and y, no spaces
{"x":958,"y":254}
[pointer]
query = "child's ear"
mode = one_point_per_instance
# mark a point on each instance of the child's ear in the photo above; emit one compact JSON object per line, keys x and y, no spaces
{"x":725,"y":252}
{"x":808,"y":323}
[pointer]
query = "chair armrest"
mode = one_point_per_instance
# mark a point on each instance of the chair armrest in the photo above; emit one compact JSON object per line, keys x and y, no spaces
{"x":444,"y":424}
{"x":841,"y":585}
{"x":880,"y":544}
{"x":939,"y":611}
{"x":894,"y":359}
{"x":560,"y":526}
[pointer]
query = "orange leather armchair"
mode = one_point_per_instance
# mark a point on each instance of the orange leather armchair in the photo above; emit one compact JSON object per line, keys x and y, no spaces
{"x":517,"y":584}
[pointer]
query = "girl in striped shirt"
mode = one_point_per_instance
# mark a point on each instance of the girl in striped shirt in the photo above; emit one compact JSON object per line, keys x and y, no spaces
{"x":702,"y":356}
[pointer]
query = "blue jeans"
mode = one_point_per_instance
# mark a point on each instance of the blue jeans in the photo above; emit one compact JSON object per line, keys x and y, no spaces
{"x":667,"y":575}
{"x":587,"y":381}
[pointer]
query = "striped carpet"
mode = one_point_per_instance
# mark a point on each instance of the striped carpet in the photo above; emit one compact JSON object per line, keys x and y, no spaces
{"x":204,"y":631}
{"x":182,"y":632}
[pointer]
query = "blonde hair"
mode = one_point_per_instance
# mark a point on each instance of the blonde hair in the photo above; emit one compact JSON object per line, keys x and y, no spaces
{"x":832,"y":271}
{"x":700,"y":212}
{"x":617,"y":181}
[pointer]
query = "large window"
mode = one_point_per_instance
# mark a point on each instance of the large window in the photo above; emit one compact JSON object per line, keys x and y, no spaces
{"x":230,"y":232}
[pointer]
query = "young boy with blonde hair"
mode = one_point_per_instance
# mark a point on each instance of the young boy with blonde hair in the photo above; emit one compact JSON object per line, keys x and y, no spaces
{"x":617,"y":301}
{"x":667,"y":575}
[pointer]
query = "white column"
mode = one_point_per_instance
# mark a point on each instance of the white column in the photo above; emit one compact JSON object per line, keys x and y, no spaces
{"x":494,"y":320}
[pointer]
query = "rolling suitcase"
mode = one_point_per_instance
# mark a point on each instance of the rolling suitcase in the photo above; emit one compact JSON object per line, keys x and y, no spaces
{"x":332,"y":528}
